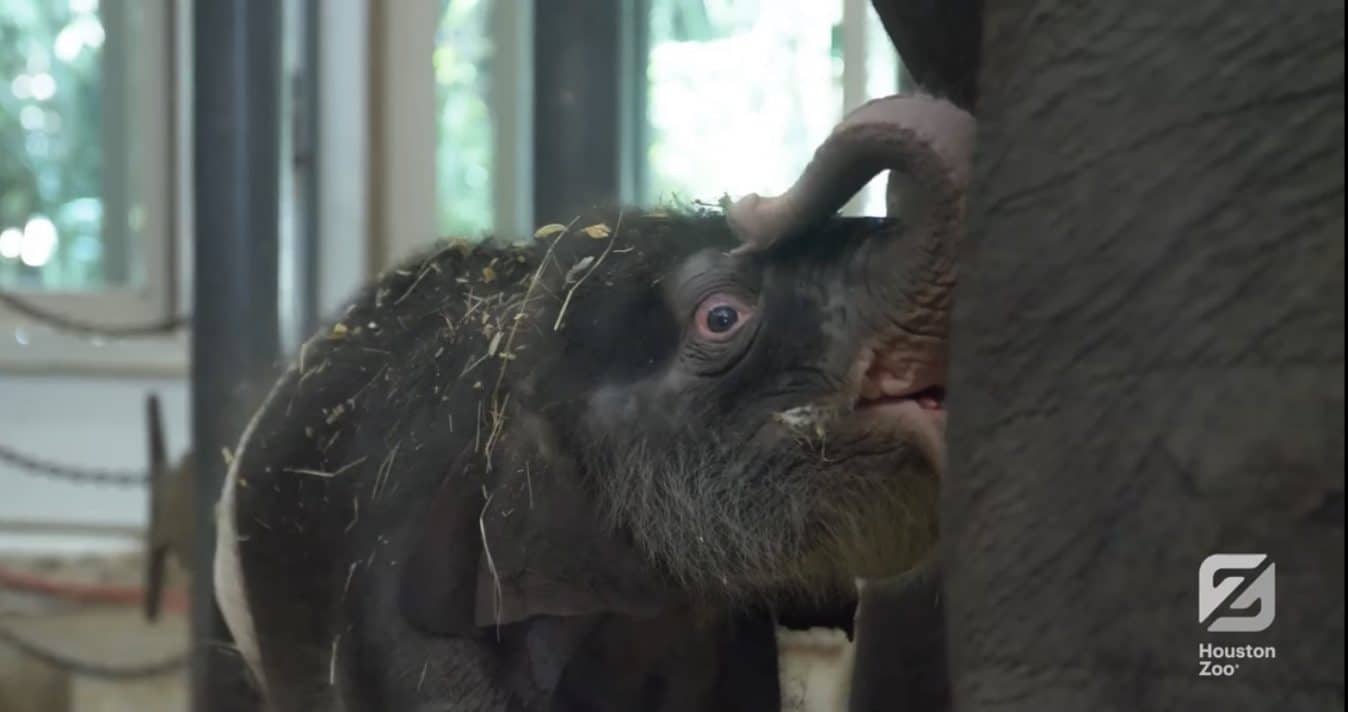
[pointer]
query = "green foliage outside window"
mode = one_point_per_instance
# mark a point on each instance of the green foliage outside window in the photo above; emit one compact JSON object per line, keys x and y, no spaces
{"x":51,"y":147}
{"x":463,"y":120}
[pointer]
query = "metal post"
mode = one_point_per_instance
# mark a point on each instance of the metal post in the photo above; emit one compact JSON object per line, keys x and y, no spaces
{"x":298,"y":237}
{"x":576,"y":104}
{"x":237,"y":71}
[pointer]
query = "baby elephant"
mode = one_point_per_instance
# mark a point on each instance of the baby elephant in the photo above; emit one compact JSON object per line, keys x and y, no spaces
{"x":594,"y":471}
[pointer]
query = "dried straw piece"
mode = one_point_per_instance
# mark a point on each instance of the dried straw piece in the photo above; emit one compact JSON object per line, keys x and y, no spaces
{"x":597,"y":231}
{"x":613,"y":238}
{"x":549,"y":230}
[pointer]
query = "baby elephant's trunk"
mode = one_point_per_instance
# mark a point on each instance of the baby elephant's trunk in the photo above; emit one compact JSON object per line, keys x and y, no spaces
{"x":927,"y":146}
{"x":925,"y":143}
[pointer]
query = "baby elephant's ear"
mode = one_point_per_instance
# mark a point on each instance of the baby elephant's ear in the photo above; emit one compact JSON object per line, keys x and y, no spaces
{"x":439,"y":587}
{"x":547,"y":551}
{"x":533,"y":543}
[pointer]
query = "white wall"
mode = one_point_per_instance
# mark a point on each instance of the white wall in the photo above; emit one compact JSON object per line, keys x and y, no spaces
{"x":84,"y":420}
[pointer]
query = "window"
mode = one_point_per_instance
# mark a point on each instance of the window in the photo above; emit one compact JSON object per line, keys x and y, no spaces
{"x":734,"y":97}
{"x":463,"y":153}
{"x":51,"y":157}
{"x":86,"y":202}
{"x":753,"y":129}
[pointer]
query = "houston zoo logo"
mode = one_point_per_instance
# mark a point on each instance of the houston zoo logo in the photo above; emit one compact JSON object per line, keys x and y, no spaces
{"x":1237,"y":593}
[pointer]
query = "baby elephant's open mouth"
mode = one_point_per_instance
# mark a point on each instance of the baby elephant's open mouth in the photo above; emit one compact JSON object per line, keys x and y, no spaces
{"x":902,"y":369}
{"x":930,"y":398}
{"x":901,"y":383}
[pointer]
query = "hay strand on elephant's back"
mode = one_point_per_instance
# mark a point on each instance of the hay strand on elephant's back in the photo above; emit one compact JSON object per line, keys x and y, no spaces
{"x":498,"y":419}
{"x":491,"y":561}
{"x":612,"y":239}
{"x":504,"y":351}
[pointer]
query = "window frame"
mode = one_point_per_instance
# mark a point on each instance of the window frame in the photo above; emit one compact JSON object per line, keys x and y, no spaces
{"x":156,"y":66}
{"x":403,"y":118}
{"x":393,"y":198}
{"x":403,"y":172}
{"x":860,"y":30}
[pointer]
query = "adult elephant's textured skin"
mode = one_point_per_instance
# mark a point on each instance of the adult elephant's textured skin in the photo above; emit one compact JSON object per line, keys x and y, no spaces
{"x":1148,"y":355}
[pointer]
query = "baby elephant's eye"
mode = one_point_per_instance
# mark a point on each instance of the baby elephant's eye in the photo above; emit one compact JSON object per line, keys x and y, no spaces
{"x":720,"y":316}
{"x":722,"y":319}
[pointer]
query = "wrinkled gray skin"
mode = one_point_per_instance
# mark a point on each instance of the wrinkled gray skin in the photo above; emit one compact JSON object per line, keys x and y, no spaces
{"x":1148,"y":353}
{"x":1148,"y":363}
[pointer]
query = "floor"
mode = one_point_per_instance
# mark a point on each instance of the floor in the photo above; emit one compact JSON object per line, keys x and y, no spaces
{"x":115,"y":636}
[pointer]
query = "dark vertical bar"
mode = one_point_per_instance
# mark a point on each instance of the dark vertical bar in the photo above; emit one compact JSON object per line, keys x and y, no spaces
{"x":156,"y":551}
{"x":312,"y":37}
{"x":577,"y":134}
{"x":237,"y":74}
{"x":304,"y":128}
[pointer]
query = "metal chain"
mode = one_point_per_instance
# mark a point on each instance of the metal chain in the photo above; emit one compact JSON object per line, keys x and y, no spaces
{"x":84,"y":328}
{"x":71,"y":473}
{"x":87,"y":668}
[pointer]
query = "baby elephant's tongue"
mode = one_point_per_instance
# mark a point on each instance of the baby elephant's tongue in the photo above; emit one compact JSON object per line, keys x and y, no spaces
{"x":932,"y":399}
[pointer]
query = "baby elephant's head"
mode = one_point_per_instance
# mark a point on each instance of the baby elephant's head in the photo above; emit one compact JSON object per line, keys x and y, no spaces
{"x":762,"y":424}
{"x":742,"y":408}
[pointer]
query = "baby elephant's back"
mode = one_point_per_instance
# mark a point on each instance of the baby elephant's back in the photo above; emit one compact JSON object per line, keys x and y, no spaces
{"x":338,"y":467}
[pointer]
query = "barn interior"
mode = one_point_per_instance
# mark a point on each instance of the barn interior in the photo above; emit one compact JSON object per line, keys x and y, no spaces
{"x":191,"y":189}
{"x":300,"y":147}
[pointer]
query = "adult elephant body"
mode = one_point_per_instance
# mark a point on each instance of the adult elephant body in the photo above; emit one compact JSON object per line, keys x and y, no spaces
{"x":1148,"y":355}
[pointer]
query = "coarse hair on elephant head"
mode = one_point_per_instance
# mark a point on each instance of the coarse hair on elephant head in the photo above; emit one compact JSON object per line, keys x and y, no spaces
{"x":673,"y":418}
